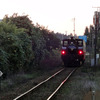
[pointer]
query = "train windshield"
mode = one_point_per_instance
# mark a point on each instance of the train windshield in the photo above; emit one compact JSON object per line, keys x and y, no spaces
{"x":77,"y":42}
{"x":65,"y":43}
{"x":80,"y":43}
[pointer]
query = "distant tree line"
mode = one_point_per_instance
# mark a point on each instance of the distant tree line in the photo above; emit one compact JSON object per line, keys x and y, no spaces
{"x":24,"y":45}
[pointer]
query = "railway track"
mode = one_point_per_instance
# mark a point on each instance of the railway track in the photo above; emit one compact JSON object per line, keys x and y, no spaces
{"x":47,"y":89}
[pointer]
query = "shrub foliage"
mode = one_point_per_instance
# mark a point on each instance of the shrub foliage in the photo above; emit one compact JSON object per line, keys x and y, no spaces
{"x":24,"y":46}
{"x":15,"y":47}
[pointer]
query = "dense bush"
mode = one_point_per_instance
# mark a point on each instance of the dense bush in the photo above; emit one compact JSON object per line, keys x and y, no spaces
{"x":15,"y":47}
{"x":3,"y":60}
{"x":54,"y":60}
{"x":39,"y":46}
{"x":44,"y":42}
{"x":24,"y":46}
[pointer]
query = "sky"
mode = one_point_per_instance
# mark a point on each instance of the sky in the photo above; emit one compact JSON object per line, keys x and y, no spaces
{"x":57,"y":15}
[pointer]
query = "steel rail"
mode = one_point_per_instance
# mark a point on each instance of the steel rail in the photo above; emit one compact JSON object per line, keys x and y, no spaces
{"x":18,"y":97}
{"x":61,"y":84}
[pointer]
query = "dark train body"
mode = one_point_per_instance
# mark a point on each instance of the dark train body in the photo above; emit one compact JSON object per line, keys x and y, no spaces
{"x":73,"y":52}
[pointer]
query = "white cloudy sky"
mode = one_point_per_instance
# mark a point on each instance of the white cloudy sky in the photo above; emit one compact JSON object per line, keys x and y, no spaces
{"x":56,"y":14}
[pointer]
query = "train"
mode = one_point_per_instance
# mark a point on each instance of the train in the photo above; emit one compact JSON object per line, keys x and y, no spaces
{"x":73,"y":52}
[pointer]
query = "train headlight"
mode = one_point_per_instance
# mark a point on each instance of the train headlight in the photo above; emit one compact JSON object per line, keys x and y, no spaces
{"x":63,"y":52}
{"x":80,"y":52}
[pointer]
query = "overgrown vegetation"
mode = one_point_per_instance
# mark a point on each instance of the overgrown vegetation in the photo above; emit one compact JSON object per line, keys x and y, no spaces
{"x":24,"y":45}
{"x":15,"y":47}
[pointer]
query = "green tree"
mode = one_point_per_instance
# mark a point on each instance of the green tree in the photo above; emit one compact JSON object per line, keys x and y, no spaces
{"x":87,"y":33}
{"x":52,"y":42}
{"x":15,"y":47}
{"x":20,"y":22}
{"x":98,"y":42}
{"x":39,"y":46}
{"x":42,"y":40}
{"x":91,"y":35}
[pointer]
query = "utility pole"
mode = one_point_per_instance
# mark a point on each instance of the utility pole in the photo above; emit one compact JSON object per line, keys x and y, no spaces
{"x":74,"y":27}
{"x":96,"y":24}
{"x":95,"y":45}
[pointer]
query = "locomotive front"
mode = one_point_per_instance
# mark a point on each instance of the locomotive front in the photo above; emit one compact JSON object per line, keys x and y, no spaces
{"x":73,"y":52}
